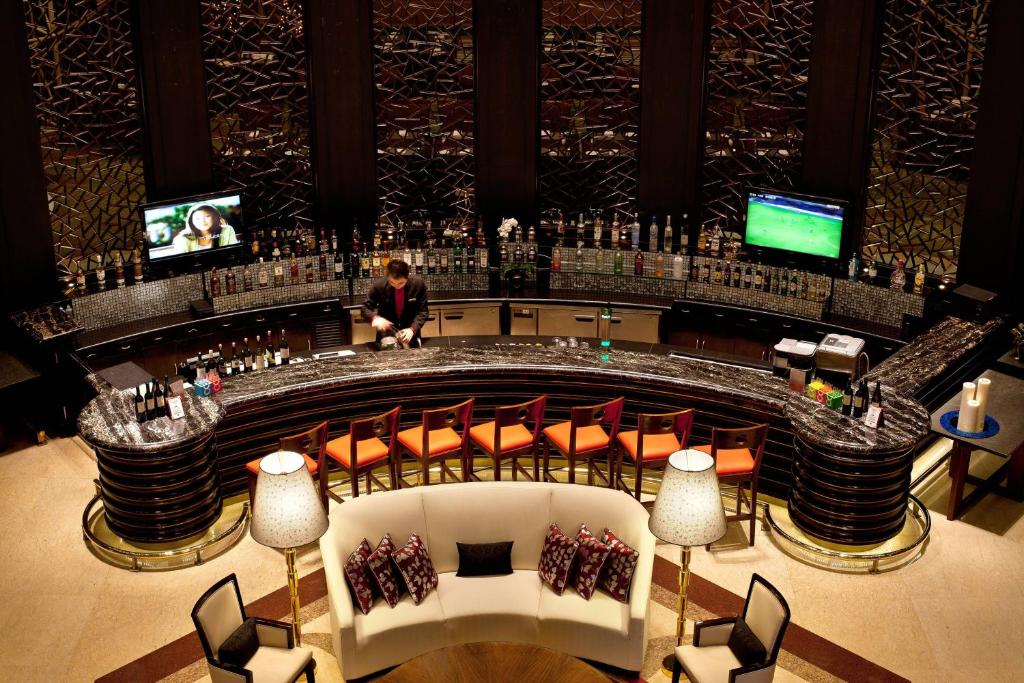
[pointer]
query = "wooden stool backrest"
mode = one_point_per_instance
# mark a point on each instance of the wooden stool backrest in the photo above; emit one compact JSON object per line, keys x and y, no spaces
{"x":312,"y":442}
{"x":605,"y":414}
{"x":680,"y":423}
{"x":379,"y":426}
{"x":521,"y":413}
{"x":752,"y":438}
{"x":458,"y":417}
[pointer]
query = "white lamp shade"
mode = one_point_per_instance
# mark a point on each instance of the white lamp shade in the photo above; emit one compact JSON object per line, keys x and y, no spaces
{"x":286,"y":510}
{"x":688,"y":510}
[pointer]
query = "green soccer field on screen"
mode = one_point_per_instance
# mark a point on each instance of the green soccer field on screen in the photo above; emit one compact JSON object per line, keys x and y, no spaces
{"x":793,"y":230}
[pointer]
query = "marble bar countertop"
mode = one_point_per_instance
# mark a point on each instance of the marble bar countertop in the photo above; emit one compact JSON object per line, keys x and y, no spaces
{"x":46,"y":322}
{"x":108,"y":420}
{"x":931,"y":353}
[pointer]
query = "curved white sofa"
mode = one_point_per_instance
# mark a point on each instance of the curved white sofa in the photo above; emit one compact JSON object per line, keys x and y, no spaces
{"x":518,"y":607}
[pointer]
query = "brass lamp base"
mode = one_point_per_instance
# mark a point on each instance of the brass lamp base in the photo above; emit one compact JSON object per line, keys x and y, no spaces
{"x":684,"y":583}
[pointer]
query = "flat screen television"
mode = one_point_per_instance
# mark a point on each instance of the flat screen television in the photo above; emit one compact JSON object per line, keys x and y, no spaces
{"x":794,"y":223}
{"x":201,"y":228}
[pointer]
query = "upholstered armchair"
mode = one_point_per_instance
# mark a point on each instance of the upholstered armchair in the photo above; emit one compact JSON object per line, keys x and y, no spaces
{"x":711,"y":659}
{"x":219,"y":612}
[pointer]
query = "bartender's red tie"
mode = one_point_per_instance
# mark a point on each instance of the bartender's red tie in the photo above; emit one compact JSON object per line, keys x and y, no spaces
{"x":399,"y":302}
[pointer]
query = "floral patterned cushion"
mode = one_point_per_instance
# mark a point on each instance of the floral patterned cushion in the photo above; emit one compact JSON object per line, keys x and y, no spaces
{"x":382,"y":566}
{"x":591,"y":558}
{"x":417,"y":570}
{"x":618,"y":569}
{"x":556,"y":558}
{"x":360,"y":580}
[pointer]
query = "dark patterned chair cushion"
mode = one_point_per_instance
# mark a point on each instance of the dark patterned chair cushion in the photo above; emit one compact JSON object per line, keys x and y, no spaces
{"x":360,"y":579}
{"x":556,"y":558}
{"x":618,"y":569}
{"x":241,"y":645}
{"x":382,"y":566}
{"x":746,"y":646}
{"x":416,"y":569}
{"x":590,"y":558}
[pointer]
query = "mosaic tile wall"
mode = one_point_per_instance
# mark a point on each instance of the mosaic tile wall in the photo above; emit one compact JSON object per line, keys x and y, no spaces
{"x":273,"y":296}
{"x":423,"y":71}
{"x":926,"y":104}
{"x":145,"y":300}
{"x":590,"y":104}
{"x":84,"y":81}
{"x":755,"y":114}
{"x":876,"y":304}
{"x":757,"y":300}
{"x":255,"y":58}
{"x":569,"y":263}
{"x":618,"y":284}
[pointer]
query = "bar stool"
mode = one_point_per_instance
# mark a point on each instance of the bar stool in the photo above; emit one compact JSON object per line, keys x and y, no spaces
{"x":311,"y":441}
{"x":737,"y":454}
{"x":658,"y":435}
{"x":362,"y":450}
{"x":437,"y":439}
{"x":583,"y":437}
{"x":506,"y":436}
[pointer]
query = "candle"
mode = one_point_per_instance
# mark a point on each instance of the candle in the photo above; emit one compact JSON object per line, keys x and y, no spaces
{"x":984,"y":384}
{"x":966,"y":395}
{"x":968,"y":417}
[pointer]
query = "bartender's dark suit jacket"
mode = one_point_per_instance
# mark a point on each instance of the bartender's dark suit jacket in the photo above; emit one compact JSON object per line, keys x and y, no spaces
{"x":380,"y":300}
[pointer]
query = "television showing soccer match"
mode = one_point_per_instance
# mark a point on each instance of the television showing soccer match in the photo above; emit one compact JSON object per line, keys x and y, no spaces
{"x":794,"y":223}
{"x":193,"y":225}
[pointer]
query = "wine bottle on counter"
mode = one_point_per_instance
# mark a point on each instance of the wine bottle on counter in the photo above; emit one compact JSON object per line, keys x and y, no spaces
{"x":230,"y":283}
{"x":860,"y":400}
{"x":278,"y":272}
{"x":848,"y":398}
{"x":161,"y":397}
{"x":140,"y":404}
{"x":638,"y":261}
{"x":284,"y":351}
{"x":150,"y":402}
{"x":246,"y":355}
{"x":235,"y":365}
{"x":258,"y":356}
{"x":273,"y":356}
{"x":118,"y":270}
{"x":136,"y":267}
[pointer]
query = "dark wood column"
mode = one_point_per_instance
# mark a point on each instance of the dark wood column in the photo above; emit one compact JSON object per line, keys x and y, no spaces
{"x":992,"y":244}
{"x":837,"y":143}
{"x":172,"y":98}
{"x":675,"y":37}
{"x":28,"y":271}
{"x":343,"y":133}
{"x":507,"y":61}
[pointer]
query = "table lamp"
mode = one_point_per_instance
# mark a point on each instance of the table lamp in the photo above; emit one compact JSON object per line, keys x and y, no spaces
{"x":286,"y":515}
{"x":687,"y":512}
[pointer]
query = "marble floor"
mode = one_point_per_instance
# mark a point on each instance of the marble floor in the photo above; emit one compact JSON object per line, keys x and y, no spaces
{"x":67,"y":616}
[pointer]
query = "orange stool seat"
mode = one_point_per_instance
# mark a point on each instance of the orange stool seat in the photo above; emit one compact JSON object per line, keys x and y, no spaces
{"x":730,"y":460}
{"x":588,"y":438}
{"x":512,"y":437}
{"x":656,"y":446}
{"x":442,"y":440}
{"x":311,"y":464}
{"x":367,"y":451}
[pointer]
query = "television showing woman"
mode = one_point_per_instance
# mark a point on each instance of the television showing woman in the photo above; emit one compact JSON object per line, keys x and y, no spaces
{"x":205,"y":228}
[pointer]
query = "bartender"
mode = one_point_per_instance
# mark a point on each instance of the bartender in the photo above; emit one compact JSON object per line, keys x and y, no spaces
{"x":396,"y":305}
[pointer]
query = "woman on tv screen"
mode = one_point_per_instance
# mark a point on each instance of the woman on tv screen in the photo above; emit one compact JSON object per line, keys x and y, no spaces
{"x":205,"y":228}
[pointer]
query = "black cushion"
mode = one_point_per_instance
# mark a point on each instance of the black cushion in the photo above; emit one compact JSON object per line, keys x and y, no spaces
{"x":746,"y":646}
{"x":485,"y":559}
{"x":241,"y":645}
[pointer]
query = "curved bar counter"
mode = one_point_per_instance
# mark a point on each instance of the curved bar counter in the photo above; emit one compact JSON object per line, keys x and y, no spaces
{"x":253,"y":411}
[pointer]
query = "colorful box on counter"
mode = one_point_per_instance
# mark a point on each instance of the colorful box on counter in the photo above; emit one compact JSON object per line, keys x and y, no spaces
{"x":216,"y":385}
{"x":814,"y":389}
{"x":834,"y":399}
{"x":202,"y":388}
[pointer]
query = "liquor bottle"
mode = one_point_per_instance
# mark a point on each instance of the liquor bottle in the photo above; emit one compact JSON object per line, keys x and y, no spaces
{"x":419,"y":260}
{"x":136,"y":266}
{"x":284,"y":350}
{"x":599,"y":259}
{"x":768,"y":280}
{"x":617,"y":263}
{"x":278,"y":272}
{"x":443,"y":261}
{"x":556,"y":258}
{"x":635,"y":237}
{"x":483,"y":253}
{"x":118,"y":269}
{"x":694,"y":270}
{"x":235,"y":363}
{"x":375,"y":259}
{"x":165,"y":393}
{"x":560,"y":227}
{"x":262,"y":276}
{"x":598,"y":230}
{"x":677,"y":266}
{"x":705,"y":274}
{"x":222,"y":362}
{"x":323,"y":266}
{"x":759,"y":278}
{"x":737,"y":276}
{"x":872,"y":272}
{"x":718,"y":272}
{"x":716,"y":242}
{"x":259,"y":359}
{"x":659,"y":265}
{"x":848,"y":398}
{"x":150,"y":402}
{"x":860,"y":399}
{"x":101,"y":273}
{"x":160,"y":398}
{"x":853,"y":267}
{"x":246,"y":355}
{"x":702,"y":241}
{"x":339,"y":266}
{"x":275,"y":253}
{"x":748,"y":278}
{"x":652,"y":237}
{"x":471,"y":259}
{"x":353,"y":259}
{"x":230,"y":282}
{"x":727,"y":274}
{"x":334,"y":241}
{"x":919,"y":280}
{"x":638,"y":261}
{"x":310,"y":271}
{"x":214,"y":283}
{"x":365,"y":262}
{"x":140,"y":404}
{"x":407,"y":255}
{"x":579,"y":254}
{"x":531,"y":250}
{"x":616,"y":230}
{"x":876,"y":402}
{"x":80,"y":276}
{"x":270,"y":357}
{"x":804,"y":288}
{"x":666,"y":242}
{"x":457,"y":255}
{"x":793,"y":286}
{"x":431,"y":258}
{"x":385,"y":259}
{"x":898,"y":279}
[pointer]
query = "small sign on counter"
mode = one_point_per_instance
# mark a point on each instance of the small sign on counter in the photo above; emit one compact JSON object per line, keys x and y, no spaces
{"x":174,"y":408}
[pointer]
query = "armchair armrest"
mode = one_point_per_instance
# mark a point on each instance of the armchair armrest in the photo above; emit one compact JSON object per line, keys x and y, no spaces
{"x":221,"y":672}
{"x":713,"y":631}
{"x":273,"y":633}
{"x":755,"y":673}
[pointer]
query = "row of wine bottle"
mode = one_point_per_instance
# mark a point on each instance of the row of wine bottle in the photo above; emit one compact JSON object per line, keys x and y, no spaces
{"x":151,"y":400}
{"x":218,"y":364}
{"x":856,"y":402}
